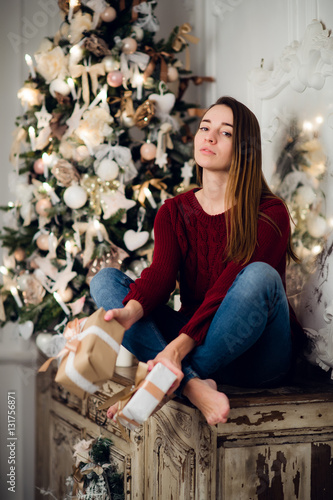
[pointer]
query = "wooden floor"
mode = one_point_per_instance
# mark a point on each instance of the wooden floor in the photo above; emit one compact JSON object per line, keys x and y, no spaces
{"x":276,"y":445}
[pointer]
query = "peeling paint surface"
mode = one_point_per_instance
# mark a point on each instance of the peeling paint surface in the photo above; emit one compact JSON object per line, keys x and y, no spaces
{"x":270,"y":416}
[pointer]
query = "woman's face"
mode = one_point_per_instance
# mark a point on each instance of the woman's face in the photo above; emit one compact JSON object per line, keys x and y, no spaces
{"x":213,"y":141}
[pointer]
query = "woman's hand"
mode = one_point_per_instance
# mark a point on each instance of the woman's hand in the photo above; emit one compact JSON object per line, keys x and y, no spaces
{"x":172,"y":356}
{"x":126,"y":316}
{"x":169,"y":358}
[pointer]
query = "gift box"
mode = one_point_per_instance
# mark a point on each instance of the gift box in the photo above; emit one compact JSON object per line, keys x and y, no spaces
{"x":135,"y":408}
{"x":89,"y":356}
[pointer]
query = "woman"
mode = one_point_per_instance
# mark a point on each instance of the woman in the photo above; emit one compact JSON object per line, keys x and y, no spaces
{"x":228,"y":242}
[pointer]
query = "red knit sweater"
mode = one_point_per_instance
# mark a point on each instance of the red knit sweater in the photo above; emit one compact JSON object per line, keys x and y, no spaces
{"x":190,"y":242}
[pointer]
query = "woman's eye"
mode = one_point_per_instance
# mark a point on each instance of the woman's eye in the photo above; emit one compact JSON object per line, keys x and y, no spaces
{"x":204,"y":129}
{"x":227,"y":134}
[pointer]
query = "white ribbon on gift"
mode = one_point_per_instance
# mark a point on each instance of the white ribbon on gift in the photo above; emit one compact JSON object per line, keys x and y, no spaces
{"x":70,"y":369}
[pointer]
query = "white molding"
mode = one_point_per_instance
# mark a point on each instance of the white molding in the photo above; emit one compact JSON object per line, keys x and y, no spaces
{"x":304,"y":64}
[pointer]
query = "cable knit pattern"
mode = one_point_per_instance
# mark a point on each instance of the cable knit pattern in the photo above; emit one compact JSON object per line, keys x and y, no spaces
{"x":191,"y":242}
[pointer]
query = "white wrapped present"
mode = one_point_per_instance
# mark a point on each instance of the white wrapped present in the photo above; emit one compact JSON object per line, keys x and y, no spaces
{"x":138,"y":403}
{"x":147,"y":397}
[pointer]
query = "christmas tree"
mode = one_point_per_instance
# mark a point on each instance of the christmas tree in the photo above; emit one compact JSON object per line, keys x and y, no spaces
{"x":300,"y":170}
{"x":103,"y":140}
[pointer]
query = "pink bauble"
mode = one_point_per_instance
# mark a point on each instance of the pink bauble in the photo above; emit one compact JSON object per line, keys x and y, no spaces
{"x":19,"y":254}
{"x":108,"y":15}
{"x":43,"y":242}
{"x":148,"y":151}
{"x":172,"y":74}
{"x":39,"y":166}
{"x":114,"y":78}
{"x":43,"y":206}
{"x":129,"y":45}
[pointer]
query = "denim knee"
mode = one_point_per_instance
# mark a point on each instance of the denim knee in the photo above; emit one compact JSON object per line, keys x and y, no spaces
{"x":260,"y":274}
{"x":109,"y":279}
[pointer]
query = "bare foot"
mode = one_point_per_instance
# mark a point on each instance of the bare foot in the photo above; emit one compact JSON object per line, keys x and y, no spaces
{"x":214,"y":405}
{"x":112,"y":410}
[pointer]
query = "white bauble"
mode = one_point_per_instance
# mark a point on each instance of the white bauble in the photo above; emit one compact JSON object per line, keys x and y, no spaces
{"x":107,"y":170}
{"x":137,"y":266}
{"x":316,"y":225}
{"x":75,"y":197}
{"x":110,"y":64}
{"x":67,"y":294}
{"x":305,"y":195}
{"x":43,"y":340}
{"x":172,"y":74}
{"x":43,"y":242}
{"x":59,"y":86}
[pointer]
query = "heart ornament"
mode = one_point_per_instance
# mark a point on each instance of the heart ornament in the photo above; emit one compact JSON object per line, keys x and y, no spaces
{"x":26,"y":329}
{"x":164,"y":103}
{"x":134,"y":240}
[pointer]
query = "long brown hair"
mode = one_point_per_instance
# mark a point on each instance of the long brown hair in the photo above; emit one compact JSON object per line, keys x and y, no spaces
{"x":246,"y":185}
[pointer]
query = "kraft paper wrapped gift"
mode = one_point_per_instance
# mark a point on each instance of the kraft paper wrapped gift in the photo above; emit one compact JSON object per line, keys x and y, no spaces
{"x":89,"y":356}
{"x":135,"y":408}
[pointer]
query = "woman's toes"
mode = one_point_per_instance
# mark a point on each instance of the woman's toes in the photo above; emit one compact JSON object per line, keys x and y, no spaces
{"x":112,"y":411}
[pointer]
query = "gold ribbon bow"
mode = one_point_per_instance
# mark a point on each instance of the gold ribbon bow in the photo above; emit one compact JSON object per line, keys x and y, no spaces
{"x":183,"y":36}
{"x":78,"y":480}
{"x":156,"y":183}
{"x":95,"y":187}
{"x":94,"y":72}
{"x":71,"y":332}
{"x":126,"y":104}
{"x":154,"y":57}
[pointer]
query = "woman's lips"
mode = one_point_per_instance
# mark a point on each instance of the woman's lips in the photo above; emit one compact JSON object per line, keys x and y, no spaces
{"x":207,"y":151}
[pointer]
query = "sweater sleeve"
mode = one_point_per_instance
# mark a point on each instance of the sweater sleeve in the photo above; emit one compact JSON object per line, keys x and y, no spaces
{"x":271,"y":248}
{"x":156,"y":282}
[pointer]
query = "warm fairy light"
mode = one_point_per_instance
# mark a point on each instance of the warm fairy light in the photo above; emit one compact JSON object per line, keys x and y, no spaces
{"x":97,"y":226}
{"x":61,"y":303}
{"x":137,"y":83}
{"x":150,"y":198}
{"x":16,"y":296}
{"x":29,"y":62}
{"x":72,"y":4}
{"x":317,"y":249}
{"x":75,"y":54}
{"x":29,"y":96}
{"x":32,"y":136}
{"x":47,"y":187}
{"x":11,"y":204}
{"x":307,"y":126}
{"x":319,"y":119}
{"x":4,"y":270}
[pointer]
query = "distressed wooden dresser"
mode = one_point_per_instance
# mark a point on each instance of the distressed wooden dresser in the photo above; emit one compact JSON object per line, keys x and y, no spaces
{"x":277,"y":444}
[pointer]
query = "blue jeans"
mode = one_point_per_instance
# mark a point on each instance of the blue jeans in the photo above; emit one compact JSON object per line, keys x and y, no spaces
{"x":247,"y":344}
